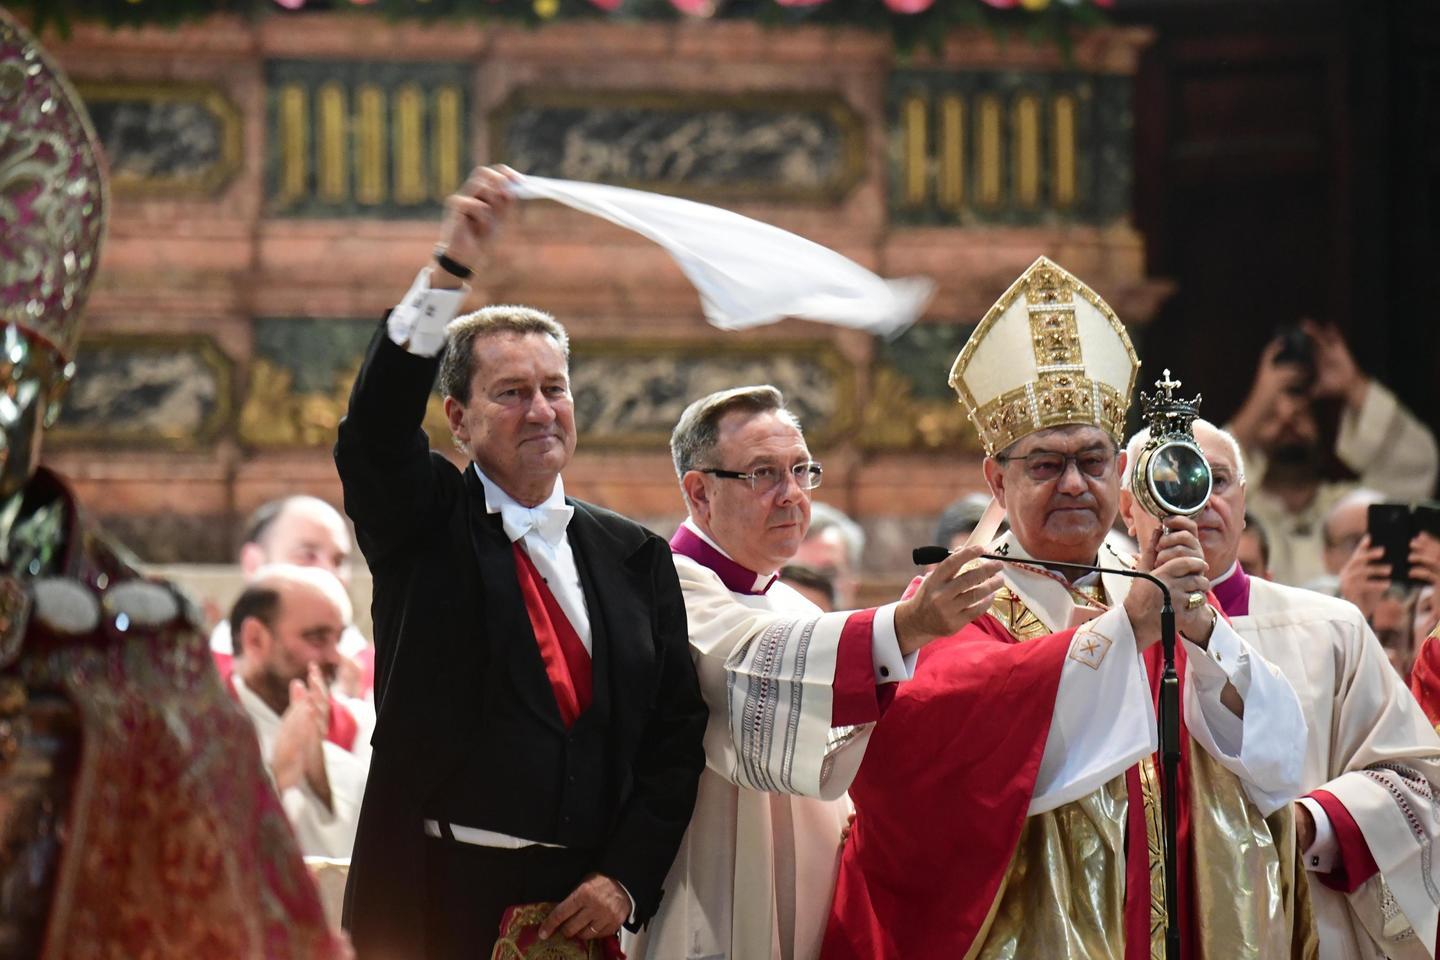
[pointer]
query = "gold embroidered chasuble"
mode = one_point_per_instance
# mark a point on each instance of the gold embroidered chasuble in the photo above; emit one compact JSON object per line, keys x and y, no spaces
{"x":1064,"y":894}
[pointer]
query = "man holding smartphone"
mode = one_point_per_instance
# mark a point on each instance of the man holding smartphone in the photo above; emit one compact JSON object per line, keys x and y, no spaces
{"x":1391,"y":451}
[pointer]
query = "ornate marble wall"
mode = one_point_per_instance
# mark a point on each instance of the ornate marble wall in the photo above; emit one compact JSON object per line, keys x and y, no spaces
{"x":277,"y":184}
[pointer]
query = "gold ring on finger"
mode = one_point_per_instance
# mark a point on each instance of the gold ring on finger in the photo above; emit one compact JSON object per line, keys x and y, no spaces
{"x":1194,"y":600}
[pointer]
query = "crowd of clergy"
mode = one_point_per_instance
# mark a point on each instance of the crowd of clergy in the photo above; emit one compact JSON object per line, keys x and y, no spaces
{"x":570,"y":737}
{"x":706,"y":749}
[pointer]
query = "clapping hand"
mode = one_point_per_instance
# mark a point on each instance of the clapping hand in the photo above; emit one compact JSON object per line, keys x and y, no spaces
{"x":299,"y":744}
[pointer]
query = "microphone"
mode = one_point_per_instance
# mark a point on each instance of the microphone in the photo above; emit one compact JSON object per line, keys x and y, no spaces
{"x":926,"y":556}
{"x":1169,"y":710}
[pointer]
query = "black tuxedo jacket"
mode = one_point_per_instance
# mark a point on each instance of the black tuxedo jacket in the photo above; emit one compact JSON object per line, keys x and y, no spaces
{"x":450,"y":625}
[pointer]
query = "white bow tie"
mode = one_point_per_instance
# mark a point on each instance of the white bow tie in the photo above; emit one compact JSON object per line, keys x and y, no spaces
{"x":549,"y":522}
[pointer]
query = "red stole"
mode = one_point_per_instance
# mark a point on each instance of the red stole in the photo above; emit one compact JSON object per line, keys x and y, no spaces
{"x":1137,"y":857}
{"x":983,"y":701}
{"x":567,"y":662}
{"x":932,"y":839}
{"x":1425,"y":677}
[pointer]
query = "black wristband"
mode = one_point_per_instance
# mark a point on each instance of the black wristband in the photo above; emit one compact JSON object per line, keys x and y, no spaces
{"x":455,"y":268}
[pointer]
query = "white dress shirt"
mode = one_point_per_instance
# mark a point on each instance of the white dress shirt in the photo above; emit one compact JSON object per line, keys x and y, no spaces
{"x":419,"y":320}
{"x":541,"y":531}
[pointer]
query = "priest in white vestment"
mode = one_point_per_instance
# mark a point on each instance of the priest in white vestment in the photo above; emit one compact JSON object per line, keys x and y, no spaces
{"x":288,"y":623}
{"x":1368,"y":819}
{"x":793,"y":692}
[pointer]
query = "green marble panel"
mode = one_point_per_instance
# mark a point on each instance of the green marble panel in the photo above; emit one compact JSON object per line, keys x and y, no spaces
{"x":146,"y":391}
{"x":778,"y":146}
{"x":165,"y":138}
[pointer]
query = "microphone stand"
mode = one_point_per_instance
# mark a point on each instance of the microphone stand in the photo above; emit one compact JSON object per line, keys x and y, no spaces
{"x":1169,"y":721}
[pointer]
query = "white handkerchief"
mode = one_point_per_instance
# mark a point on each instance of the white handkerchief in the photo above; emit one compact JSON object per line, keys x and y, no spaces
{"x":747,"y":273}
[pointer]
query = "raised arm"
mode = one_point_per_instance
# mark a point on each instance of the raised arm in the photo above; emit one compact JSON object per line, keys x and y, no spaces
{"x":382,"y":454}
{"x":1392,"y":450}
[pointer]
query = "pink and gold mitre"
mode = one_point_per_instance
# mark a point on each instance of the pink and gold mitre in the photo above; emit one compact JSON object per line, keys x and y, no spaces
{"x":52,"y":194}
{"x":1049,"y":353}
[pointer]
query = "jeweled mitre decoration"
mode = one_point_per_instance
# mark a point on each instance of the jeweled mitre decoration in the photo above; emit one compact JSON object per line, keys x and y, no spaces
{"x":1049,"y":353}
{"x":52,"y":193}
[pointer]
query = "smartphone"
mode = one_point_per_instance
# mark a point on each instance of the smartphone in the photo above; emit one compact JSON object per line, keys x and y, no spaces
{"x":1393,"y":526}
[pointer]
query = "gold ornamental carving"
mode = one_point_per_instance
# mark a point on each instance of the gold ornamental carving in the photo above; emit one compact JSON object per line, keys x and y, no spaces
{"x":275,"y":414}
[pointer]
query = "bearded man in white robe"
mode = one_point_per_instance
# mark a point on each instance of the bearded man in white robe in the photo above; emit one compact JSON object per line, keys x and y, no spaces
{"x":1368,"y":817}
{"x":288,"y":623}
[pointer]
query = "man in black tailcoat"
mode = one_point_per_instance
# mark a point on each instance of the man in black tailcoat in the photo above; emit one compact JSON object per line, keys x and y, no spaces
{"x":540,"y":722}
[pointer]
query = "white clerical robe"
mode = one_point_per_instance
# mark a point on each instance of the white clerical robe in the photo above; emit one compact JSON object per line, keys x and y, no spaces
{"x":321,"y":831}
{"x":756,"y":872}
{"x":1262,"y":748}
{"x":1371,"y":747}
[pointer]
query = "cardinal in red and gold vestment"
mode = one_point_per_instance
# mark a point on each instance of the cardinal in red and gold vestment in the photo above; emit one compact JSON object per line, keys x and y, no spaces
{"x":1010,"y":805}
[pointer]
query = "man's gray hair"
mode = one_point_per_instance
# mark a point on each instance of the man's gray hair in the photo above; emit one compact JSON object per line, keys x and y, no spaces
{"x":693,"y":441}
{"x":1137,"y":444}
{"x":1360,"y":496}
{"x":825,"y":517}
{"x":457,"y":369}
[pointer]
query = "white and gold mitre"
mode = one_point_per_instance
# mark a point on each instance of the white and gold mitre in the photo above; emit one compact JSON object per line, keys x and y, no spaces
{"x":1048,"y":354}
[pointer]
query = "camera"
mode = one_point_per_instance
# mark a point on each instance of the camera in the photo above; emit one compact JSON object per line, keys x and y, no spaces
{"x":1295,"y":346}
{"x":1298,"y":349}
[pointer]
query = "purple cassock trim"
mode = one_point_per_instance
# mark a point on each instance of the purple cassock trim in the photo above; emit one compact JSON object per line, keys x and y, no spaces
{"x":736,"y":578}
{"x":1234,"y":593}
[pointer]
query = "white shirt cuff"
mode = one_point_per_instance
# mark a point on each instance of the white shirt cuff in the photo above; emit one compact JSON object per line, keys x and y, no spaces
{"x":1266,"y":747}
{"x":419,"y":320}
{"x":1324,"y":850}
{"x":891,"y":666}
{"x":630,"y":917}
{"x":1225,"y":659}
{"x":299,"y":801}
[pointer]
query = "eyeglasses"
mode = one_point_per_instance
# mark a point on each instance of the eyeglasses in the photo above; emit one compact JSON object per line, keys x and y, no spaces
{"x":1045,"y":465}
{"x":764,"y":479}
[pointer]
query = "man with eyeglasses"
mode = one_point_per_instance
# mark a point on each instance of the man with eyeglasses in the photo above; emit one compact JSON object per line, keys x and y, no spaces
{"x":1009,"y":803}
{"x":1371,"y":762}
{"x":793,"y":692}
